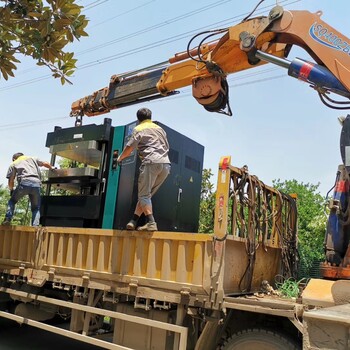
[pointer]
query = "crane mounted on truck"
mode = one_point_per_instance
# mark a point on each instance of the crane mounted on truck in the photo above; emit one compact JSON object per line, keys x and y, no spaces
{"x":251,"y":43}
{"x":179,"y":290}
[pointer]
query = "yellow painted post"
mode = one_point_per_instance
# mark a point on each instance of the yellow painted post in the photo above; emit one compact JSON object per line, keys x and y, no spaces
{"x":222,"y":197}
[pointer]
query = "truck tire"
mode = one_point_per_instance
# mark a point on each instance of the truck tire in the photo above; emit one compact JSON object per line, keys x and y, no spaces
{"x":259,"y":339}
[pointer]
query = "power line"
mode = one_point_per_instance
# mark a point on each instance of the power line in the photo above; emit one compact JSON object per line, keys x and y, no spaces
{"x":94,"y":4}
{"x":138,"y":49}
{"x":26,"y":82}
{"x":156,"y":26}
{"x":144,"y":30}
{"x":30,"y":123}
{"x":123,"y":13}
{"x":230,"y":20}
{"x":185,"y":93}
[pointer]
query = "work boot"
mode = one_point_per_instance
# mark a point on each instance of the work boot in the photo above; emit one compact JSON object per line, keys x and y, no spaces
{"x":150,"y":226}
{"x":131,"y":225}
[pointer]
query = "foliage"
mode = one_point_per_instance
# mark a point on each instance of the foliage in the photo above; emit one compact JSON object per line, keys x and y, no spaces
{"x":22,"y":212}
{"x":289,"y":288}
{"x":311,"y":219}
{"x":41,"y":30}
{"x":4,"y":196}
{"x":65,"y":163}
{"x":207,"y":203}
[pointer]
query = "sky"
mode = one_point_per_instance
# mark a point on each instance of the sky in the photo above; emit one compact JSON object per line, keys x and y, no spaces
{"x":279,"y":128}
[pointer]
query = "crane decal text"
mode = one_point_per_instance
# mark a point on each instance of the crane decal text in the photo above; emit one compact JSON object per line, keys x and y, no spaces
{"x":326,"y":37}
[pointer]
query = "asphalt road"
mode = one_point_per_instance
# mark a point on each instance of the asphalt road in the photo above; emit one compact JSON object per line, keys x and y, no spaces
{"x":14,"y":336}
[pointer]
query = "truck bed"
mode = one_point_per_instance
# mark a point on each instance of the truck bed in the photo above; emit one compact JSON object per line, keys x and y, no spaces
{"x":161,"y":265}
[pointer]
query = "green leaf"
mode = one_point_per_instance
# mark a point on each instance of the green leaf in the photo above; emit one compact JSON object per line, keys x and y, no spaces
{"x":4,"y":73}
{"x":34,"y":14}
{"x":42,"y":32}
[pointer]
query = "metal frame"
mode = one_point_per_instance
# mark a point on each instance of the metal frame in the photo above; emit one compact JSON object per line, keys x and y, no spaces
{"x":180,"y":331}
{"x":269,"y":306}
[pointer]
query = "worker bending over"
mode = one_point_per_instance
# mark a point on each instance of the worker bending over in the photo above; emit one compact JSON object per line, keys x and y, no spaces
{"x":26,"y":170}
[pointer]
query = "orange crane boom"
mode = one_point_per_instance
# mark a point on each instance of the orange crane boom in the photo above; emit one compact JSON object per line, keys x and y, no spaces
{"x":253,"y":42}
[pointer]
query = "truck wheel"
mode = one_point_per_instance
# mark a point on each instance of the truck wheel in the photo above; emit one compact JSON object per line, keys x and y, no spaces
{"x":259,"y":339}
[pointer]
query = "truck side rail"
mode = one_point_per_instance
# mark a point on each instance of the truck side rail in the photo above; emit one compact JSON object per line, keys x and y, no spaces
{"x":160,"y":265}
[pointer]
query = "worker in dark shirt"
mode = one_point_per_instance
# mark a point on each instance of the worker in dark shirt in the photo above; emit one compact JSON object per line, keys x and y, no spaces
{"x":152,"y":145}
{"x":26,"y":170}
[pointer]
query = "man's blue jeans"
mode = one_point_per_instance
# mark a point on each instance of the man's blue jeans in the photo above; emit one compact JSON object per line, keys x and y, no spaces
{"x":35,"y":200}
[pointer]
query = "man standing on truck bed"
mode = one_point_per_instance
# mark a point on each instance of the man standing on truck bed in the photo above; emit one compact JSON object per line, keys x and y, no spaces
{"x":27,"y":172}
{"x":153,"y":148}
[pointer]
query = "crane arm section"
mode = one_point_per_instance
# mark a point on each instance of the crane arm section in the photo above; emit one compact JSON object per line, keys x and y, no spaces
{"x":253,"y":42}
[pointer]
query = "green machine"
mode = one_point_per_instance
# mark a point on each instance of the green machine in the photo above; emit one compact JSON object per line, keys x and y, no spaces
{"x":89,"y":188}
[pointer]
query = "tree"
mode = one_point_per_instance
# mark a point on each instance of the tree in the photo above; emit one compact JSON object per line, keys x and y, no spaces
{"x":311,"y":219}
{"x":4,"y":196}
{"x":22,"y":214}
{"x":40,"y":29}
{"x":207,"y":203}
